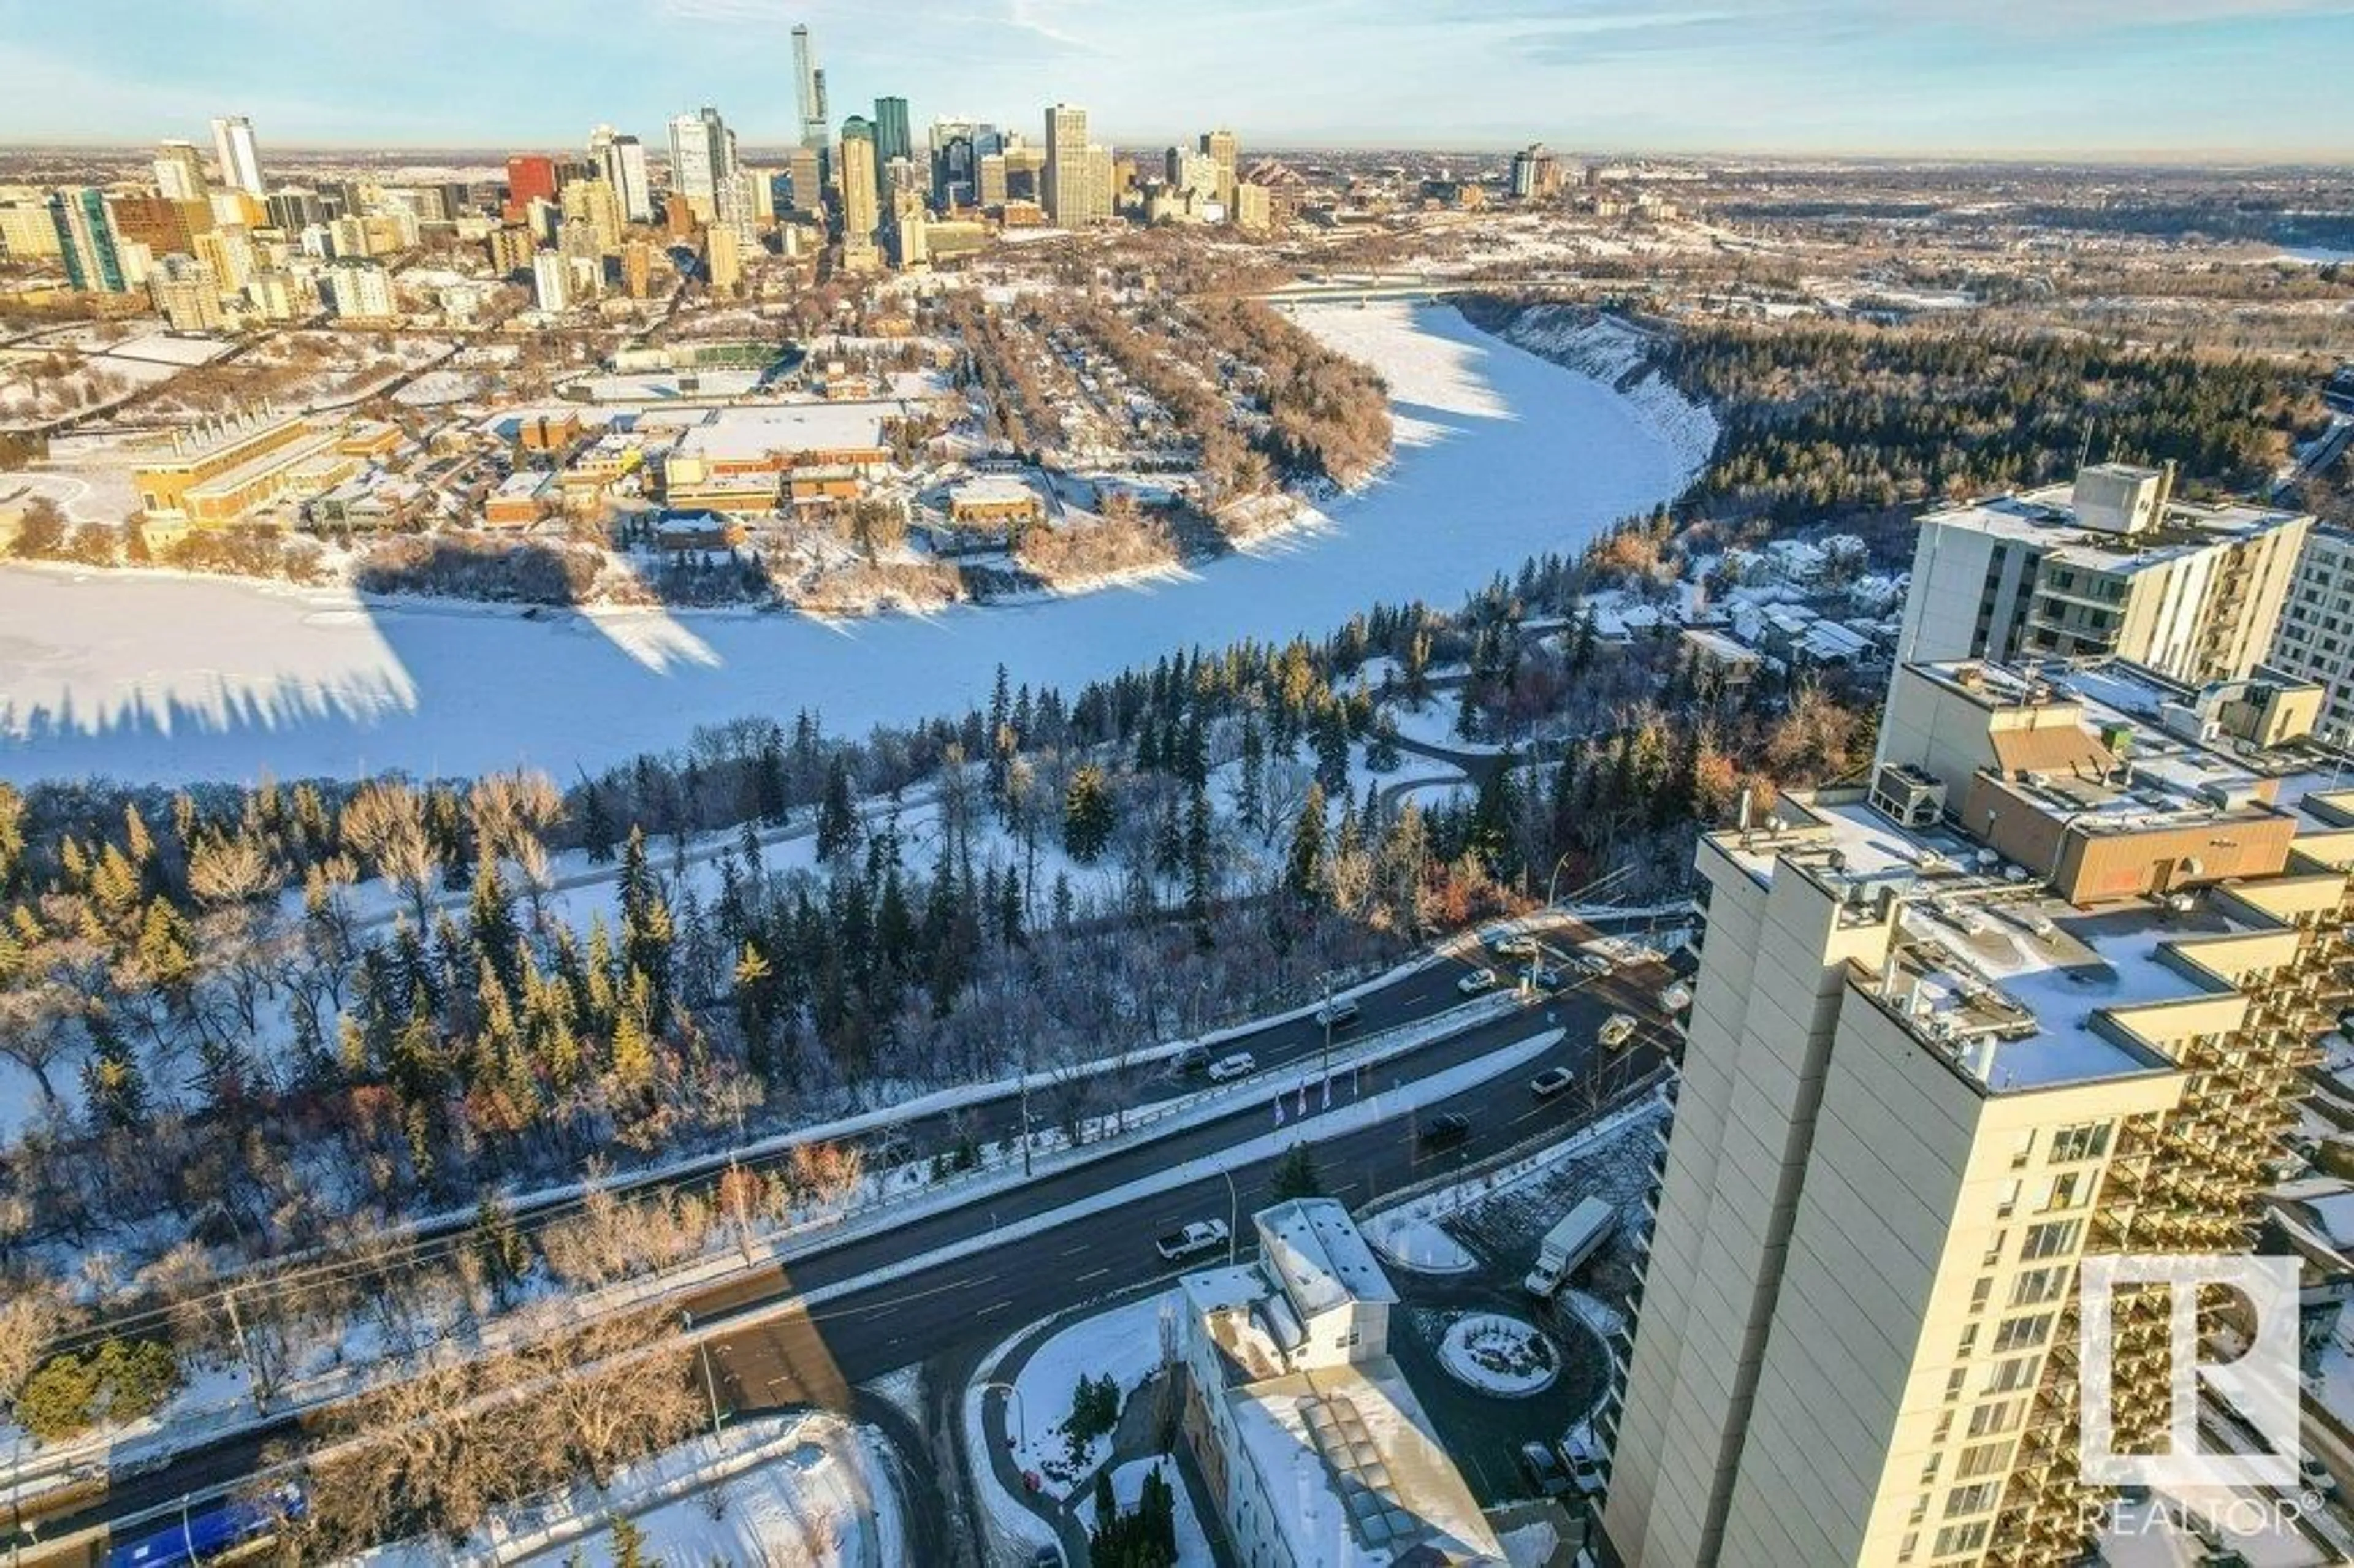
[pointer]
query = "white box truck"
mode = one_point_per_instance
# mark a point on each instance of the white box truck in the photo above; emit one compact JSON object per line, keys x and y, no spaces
{"x":1569,"y":1243}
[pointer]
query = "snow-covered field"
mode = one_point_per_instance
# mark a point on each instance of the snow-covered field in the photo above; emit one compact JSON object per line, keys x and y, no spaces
{"x":1128,"y":1488}
{"x":158,"y":677}
{"x":1124,"y":1344}
{"x":809,"y":1491}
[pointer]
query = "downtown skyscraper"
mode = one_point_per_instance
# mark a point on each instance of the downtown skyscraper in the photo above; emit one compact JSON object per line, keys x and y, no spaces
{"x":239,"y":158}
{"x":810,"y":89}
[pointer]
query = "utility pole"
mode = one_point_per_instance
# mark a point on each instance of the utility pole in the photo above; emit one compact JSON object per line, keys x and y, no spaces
{"x":1327,"y":977}
{"x":1234,"y":1216}
{"x":245,"y":1350}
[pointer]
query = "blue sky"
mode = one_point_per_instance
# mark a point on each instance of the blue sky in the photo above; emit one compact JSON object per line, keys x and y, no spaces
{"x":2113,"y":78}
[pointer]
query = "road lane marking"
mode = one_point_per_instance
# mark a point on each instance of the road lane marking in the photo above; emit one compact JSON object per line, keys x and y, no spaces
{"x":996,"y":1306}
{"x":1094,"y":1273}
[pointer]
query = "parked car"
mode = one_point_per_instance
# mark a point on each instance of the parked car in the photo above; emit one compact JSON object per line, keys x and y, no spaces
{"x":1543,"y":1471}
{"x":1583,"y":1463}
{"x":2316,"y":1476}
{"x":1338,"y":1012}
{"x":1618,"y":1029}
{"x":1551,"y":1082}
{"x":1444,"y":1130}
{"x":1225,"y":1069}
{"x":1477,"y":981}
{"x":1201,"y":1236}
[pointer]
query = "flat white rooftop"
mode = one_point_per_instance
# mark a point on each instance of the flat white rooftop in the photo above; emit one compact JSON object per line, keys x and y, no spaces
{"x":748,"y":434}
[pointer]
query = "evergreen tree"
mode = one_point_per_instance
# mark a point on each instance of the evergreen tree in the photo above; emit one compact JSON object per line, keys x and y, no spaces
{"x":596,"y":826}
{"x":1295,"y":1176}
{"x":1304,"y":870}
{"x":837,"y":817}
{"x":1088,"y":815}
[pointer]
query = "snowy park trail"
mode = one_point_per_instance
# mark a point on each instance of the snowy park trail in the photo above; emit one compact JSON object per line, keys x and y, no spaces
{"x":152,"y":677}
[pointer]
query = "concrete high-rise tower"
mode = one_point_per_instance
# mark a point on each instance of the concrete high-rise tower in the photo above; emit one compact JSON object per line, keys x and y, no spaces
{"x":623,"y":162}
{"x":239,"y":155}
{"x":180,"y":172}
{"x":1068,"y":191}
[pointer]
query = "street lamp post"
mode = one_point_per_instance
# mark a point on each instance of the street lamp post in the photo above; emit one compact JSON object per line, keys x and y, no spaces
{"x":710,"y":1388}
{"x":1327,"y":1015}
{"x":1020,"y":1425}
{"x":1233,"y":1214}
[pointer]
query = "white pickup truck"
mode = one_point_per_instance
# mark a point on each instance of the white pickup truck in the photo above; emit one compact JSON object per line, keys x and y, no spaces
{"x":1201,"y":1236}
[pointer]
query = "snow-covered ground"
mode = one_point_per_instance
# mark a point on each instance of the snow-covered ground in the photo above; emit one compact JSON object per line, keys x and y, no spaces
{"x":803,"y":1491}
{"x":1125,"y":1344}
{"x":157,"y":677}
{"x":1128,"y":1488}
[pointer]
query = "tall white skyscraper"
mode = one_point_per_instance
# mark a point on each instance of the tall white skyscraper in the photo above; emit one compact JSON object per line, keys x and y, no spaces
{"x":622,"y":160}
{"x":809,"y":84}
{"x":693,"y":173}
{"x":239,"y":158}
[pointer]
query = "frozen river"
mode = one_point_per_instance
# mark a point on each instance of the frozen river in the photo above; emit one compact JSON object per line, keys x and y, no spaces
{"x":1502,"y":456}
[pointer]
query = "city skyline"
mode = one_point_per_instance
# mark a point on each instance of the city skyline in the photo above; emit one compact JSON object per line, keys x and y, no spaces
{"x":1929,"y":78}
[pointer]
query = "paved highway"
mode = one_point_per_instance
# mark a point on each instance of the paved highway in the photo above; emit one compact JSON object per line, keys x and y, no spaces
{"x":786,"y":1353}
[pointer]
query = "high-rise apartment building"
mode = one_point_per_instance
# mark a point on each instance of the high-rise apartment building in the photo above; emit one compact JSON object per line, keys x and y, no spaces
{"x":187,"y":294}
{"x":1536,"y":173}
{"x":637,"y":267}
{"x":595,"y":203}
{"x":1222,"y":148}
{"x":2316,"y":638}
{"x":989,"y":179}
{"x":362,"y":291}
{"x":723,"y":258}
{"x":803,"y":175}
{"x":180,"y":172}
{"x":531,"y":177}
{"x":159,"y":223}
{"x":2042,"y":991}
{"x":551,"y":281}
{"x":1067,"y":197}
{"x":809,"y":90}
{"x":2113,"y":565}
{"x":86,"y":241}
{"x":860,"y":212}
{"x":239,"y":155}
{"x":702,"y":155}
{"x":1252,"y":210}
{"x":621,"y":162}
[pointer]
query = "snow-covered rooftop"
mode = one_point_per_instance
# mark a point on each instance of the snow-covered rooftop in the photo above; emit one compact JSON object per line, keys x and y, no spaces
{"x":1356,"y":1474}
{"x":1319,"y":1258}
{"x":746,"y":433}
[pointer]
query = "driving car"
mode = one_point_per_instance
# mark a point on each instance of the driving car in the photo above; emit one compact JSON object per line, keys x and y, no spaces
{"x":1340,"y":1011}
{"x":1225,"y":1069}
{"x":1444,"y":1130}
{"x":1551,"y":1082}
{"x":1477,"y":981}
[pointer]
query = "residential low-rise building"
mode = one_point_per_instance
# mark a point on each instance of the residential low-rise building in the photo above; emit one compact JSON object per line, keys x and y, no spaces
{"x":1314,"y":1448}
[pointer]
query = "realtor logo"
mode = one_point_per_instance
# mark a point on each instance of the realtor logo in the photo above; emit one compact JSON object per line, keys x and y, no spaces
{"x":2260,"y":1383}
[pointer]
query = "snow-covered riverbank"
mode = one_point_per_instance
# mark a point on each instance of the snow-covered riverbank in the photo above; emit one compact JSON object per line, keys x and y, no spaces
{"x":1501,"y":456}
